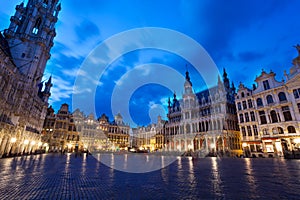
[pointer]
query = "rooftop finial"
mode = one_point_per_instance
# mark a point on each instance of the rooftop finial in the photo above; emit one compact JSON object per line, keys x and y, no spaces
{"x":298,"y":48}
{"x":187,"y":76}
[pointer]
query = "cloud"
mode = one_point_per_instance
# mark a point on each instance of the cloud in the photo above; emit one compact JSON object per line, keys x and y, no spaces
{"x":86,"y":30}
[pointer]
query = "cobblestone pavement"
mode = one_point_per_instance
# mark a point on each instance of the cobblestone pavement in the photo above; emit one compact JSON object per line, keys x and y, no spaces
{"x":55,"y":176}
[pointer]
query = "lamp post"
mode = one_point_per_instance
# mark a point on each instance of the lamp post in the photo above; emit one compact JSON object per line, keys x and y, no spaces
{"x":12,"y":141}
{"x":26,"y":142}
{"x":244,"y":145}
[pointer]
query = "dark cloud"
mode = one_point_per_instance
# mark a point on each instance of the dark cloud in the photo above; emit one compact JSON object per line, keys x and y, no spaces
{"x":86,"y":29}
{"x":224,"y":19}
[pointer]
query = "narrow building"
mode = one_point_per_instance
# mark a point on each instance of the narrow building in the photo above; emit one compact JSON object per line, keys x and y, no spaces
{"x":269,"y":113}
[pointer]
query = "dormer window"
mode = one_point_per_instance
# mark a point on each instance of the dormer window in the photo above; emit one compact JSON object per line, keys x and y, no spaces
{"x":266,"y":84}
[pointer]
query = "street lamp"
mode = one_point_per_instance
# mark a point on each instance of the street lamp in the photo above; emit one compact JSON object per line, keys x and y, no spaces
{"x":26,"y":142}
{"x":12,"y":141}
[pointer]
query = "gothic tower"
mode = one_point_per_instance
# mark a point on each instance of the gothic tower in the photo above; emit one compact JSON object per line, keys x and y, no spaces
{"x":30,"y":37}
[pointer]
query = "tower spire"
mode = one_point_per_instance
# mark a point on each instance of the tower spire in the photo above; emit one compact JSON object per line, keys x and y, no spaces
{"x":33,"y":28}
{"x":187,"y":75}
{"x":225,"y":79}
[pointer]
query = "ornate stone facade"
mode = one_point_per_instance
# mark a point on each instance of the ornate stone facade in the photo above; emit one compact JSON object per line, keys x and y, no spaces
{"x":204,"y":122}
{"x":269,"y":113}
{"x":151,"y":137}
{"x":60,"y":132}
{"x":92,"y":137}
{"x":116,"y":131}
{"x":24,"y":52}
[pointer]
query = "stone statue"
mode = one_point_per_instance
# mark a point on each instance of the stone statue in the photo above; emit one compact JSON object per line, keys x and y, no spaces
{"x":298,"y":48}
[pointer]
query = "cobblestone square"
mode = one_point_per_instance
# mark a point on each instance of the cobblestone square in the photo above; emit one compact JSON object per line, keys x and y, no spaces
{"x":55,"y":176}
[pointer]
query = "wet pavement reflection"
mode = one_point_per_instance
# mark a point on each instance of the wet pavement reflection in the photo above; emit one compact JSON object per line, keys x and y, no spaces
{"x":54,"y":176}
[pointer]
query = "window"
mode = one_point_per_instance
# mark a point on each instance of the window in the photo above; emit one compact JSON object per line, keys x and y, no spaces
{"x":265,"y":131}
{"x":286,"y":113}
{"x":249,"y":130}
{"x":239,"y":106}
{"x":250,"y":103}
{"x":263,"y":119}
{"x":275,"y":131}
{"x":244,"y":105}
{"x":274,"y":116}
{"x":255,"y":130}
{"x":266,"y":84}
{"x":242,"y":94}
{"x":259,"y":102}
{"x":291,"y":129}
{"x":280,"y":130}
{"x":241,"y":118}
{"x":243,"y":131}
{"x":270,"y":99}
{"x":37,"y":25}
{"x":281,"y":96}
{"x":252,"y":116}
{"x":296,"y":93}
{"x":247,"y":117}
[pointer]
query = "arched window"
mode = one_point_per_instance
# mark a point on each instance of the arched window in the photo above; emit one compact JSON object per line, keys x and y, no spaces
{"x":37,"y":25}
{"x":262,"y":115}
{"x":270,"y":99}
{"x":274,"y":116}
{"x":259,"y":102}
{"x":286,"y":113}
{"x":242,"y":94}
{"x":275,"y":131}
{"x":281,"y":96}
{"x":291,"y":129}
{"x":265,"y":131}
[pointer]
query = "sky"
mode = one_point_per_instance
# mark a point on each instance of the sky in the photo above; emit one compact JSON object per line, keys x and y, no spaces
{"x":242,"y":36}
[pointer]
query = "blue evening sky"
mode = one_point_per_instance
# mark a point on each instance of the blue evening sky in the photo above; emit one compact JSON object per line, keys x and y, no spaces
{"x":242,"y":36}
